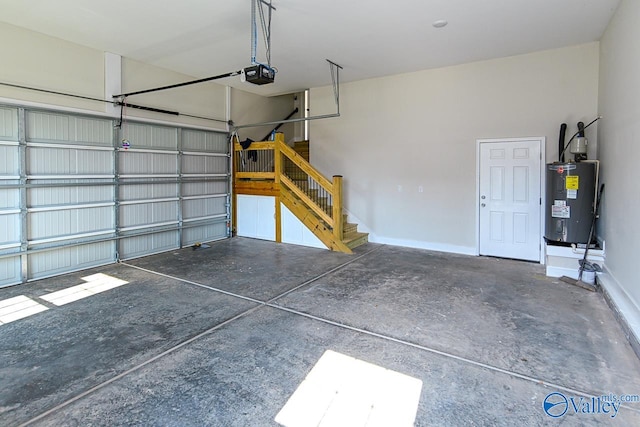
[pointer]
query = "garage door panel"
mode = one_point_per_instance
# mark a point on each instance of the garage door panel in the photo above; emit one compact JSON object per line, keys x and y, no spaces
{"x":66,"y":161}
{"x":9,"y":197}
{"x":133,"y":247}
{"x":141,"y":163}
{"x":9,"y":160}
{"x":68,"y":129}
{"x":202,"y":188}
{"x":204,"y":233}
{"x":9,"y":229}
{"x":200,"y":208}
{"x":130,"y":191}
{"x":68,"y":195}
{"x":69,"y":222}
{"x":151,"y":137}
{"x":194,"y":140}
{"x":204,"y":164}
{"x":148,"y":214}
{"x":9,"y":123}
{"x":64,"y":260}
{"x":10,"y":273}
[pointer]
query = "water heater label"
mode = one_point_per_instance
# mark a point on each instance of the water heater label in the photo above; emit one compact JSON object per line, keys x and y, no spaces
{"x":572,"y":182}
{"x":572,"y":194}
{"x":560,"y":211}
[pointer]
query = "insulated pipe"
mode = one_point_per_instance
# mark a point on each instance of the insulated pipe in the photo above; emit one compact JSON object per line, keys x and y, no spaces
{"x":266,"y":137}
{"x":595,"y":197}
{"x":563,"y":130}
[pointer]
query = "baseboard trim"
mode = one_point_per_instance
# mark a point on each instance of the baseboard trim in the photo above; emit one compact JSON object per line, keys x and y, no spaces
{"x":416,"y":244}
{"x":627,"y":313}
{"x":439,"y":247}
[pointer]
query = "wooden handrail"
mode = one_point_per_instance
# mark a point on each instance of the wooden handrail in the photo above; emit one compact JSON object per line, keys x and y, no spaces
{"x":299,"y":161}
{"x":262,"y":145}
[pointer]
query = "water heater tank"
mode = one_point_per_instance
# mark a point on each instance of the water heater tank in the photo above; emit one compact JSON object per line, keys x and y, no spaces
{"x":570,"y":199}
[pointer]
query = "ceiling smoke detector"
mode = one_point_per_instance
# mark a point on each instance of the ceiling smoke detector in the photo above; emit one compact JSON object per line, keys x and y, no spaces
{"x":440,"y":23}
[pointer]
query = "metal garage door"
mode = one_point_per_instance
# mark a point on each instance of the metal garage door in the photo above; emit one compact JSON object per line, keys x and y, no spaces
{"x":9,"y":197}
{"x":71,"y":197}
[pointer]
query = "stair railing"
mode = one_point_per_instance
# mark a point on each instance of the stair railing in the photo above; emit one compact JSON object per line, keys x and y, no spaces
{"x":256,"y":162}
{"x":292,"y":173}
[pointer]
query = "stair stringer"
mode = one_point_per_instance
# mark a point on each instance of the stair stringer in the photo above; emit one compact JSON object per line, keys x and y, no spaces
{"x":312,"y":222}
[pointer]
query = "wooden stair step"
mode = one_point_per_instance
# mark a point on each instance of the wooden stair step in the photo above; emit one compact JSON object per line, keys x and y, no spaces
{"x":349,"y":228}
{"x":356,"y":239}
{"x":351,"y":237}
{"x":313,"y":222}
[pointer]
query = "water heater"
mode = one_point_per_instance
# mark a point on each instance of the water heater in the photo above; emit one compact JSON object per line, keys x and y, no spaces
{"x":570,"y":199}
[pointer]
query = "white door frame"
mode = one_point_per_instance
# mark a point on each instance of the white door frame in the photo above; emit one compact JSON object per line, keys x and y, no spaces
{"x":542,"y":141}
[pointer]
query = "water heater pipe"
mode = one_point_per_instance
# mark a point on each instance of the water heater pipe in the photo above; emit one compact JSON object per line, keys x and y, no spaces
{"x":595,"y":198}
{"x":563,"y":132}
{"x":576,"y":134}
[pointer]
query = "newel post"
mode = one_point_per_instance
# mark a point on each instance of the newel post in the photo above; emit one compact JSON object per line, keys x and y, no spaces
{"x":277,"y":171}
{"x":338,"y":223}
{"x":277,"y":157}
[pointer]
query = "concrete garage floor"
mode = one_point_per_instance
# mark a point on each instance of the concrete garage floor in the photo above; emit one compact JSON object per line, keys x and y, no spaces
{"x":225,"y":336}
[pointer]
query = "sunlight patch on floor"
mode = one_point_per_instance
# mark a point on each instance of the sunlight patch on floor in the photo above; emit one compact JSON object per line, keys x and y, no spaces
{"x":18,"y":308}
{"x":343,"y":391}
{"x":96,"y":283}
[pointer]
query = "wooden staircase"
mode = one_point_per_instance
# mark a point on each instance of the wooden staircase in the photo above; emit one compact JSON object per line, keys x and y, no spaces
{"x":313,"y":199}
{"x":351,"y":237}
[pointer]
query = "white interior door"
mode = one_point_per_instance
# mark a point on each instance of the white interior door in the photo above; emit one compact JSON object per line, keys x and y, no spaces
{"x":509,"y":199}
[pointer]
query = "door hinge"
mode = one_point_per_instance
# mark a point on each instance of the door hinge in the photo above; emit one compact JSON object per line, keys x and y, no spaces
{"x":540,"y":201}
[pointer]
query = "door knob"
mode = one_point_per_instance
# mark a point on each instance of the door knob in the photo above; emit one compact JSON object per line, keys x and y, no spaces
{"x":483,"y":205}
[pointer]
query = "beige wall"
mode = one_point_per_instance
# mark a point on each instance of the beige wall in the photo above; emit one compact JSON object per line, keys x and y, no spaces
{"x":203,"y":99}
{"x":619,"y":103}
{"x":33,"y":59}
{"x":36,"y":60}
{"x":247,"y":108}
{"x":420,"y":129}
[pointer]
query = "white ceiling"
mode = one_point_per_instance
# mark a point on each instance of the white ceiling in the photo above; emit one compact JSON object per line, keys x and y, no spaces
{"x":370,"y":38}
